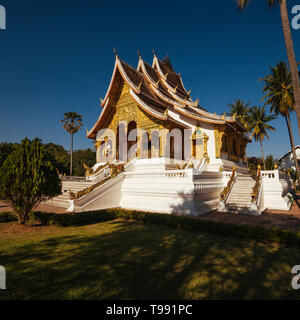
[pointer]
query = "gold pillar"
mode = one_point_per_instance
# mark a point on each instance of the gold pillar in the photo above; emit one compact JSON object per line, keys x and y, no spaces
{"x":219,"y":132}
{"x":205,"y":139}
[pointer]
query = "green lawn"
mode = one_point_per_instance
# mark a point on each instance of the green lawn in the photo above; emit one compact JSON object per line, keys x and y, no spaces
{"x":127,"y":260}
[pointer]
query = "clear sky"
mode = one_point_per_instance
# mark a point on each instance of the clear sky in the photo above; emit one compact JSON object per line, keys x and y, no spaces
{"x":57,"y":56}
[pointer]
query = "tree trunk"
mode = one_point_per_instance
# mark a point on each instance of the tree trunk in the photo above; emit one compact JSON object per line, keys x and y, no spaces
{"x":291,"y":57}
{"x":263,"y":155}
{"x":71,"y":161}
{"x":288,"y":122}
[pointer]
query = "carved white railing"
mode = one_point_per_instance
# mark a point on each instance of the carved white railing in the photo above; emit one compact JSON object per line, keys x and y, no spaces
{"x":204,"y":186}
{"x":202,"y":165}
{"x":269,"y":175}
{"x":224,"y":195}
{"x":159,"y":175}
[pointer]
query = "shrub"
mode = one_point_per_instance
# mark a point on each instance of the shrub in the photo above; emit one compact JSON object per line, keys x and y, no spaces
{"x":7,"y":217}
{"x":72,"y":219}
{"x":174,"y":221}
{"x":28,"y":177}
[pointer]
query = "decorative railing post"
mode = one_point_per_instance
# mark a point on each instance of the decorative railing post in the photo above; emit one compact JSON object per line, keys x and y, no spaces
{"x":255,"y":190}
{"x":224,"y":194}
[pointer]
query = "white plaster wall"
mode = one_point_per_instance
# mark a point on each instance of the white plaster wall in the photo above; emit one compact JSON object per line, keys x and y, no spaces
{"x":288,"y":161}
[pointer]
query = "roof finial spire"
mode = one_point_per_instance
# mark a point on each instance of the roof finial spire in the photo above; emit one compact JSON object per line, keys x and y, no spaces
{"x":153,"y":52}
{"x":166,"y":111}
{"x":138,"y":53}
{"x":115,"y":52}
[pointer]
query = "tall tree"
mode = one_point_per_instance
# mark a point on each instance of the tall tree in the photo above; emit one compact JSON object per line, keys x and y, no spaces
{"x":28,"y":177}
{"x":271,"y":162}
{"x":72,"y":122}
{"x":242,"y":4}
{"x":240,"y":110}
{"x":280,"y":98}
{"x":258,"y":125}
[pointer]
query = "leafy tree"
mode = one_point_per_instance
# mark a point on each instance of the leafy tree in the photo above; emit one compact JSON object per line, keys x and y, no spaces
{"x":60,"y":155}
{"x":280,"y":98}
{"x":240,"y":110}
{"x":5,"y":150}
{"x":82,"y":157}
{"x":28,"y":177}
{"x":258,"y":125}
{"x":270,"y":162}
{"x":72,"y":122}
{"x":242,"y":4}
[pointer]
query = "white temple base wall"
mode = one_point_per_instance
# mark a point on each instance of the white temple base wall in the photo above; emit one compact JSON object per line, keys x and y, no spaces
{"x":105,"y":196}
{"x":274,"y":191}
{"x":156,"y":190}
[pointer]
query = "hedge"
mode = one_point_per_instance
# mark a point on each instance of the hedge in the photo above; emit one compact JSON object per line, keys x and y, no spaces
{"x":183,"y":222}
{"x":71,"y":219}
{"x":7,"y":217}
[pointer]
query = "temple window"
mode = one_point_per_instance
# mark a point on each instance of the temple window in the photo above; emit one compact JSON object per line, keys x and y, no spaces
{"x":224,"y":147}
{"x":234,"y":147}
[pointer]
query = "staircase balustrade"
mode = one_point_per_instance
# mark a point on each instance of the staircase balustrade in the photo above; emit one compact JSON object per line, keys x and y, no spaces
{"x":225,"y":193}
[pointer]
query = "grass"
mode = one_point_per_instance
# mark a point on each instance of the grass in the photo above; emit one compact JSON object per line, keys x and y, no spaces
{"x":127,"y":260}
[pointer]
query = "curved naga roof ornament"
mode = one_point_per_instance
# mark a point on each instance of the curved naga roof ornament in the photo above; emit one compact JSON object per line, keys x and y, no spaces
{"x":156,"y":90}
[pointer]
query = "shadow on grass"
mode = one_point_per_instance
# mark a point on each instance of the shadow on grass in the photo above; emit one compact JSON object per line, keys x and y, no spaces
{"x":133,"y":261}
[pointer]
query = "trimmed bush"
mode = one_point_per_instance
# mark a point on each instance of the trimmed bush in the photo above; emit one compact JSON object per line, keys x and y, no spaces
{"x":228,"y":229}
{"x":174,"y":221}
{"x":7,"y":217}
{"x":72,"y":219}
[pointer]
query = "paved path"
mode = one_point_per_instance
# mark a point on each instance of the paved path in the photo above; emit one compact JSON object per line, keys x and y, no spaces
{"x":289,"y":220}
{"x":42,"y":207}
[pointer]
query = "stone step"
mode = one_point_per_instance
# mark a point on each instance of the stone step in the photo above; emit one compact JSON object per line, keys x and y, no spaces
{"x":240,"y":196}
{"x":236,"y":199}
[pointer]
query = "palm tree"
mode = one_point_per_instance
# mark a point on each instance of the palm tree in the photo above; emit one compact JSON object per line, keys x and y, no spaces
{"x":240,"y":110}
{"x":258,"y":125}
{"x":72,"y":122}
{"x":271,"y":162}
{"x":280,"y":98}
{"x":242,"y":4}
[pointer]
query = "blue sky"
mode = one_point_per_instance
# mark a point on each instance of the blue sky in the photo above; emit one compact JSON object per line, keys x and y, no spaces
{"x":57,"y":56}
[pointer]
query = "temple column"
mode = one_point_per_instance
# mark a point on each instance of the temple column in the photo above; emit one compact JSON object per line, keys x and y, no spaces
{"x":163,"y":141}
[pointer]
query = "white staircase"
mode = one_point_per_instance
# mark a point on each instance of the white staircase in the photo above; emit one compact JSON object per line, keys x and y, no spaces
{"x":240,"y":197}
{"x":63,"y":199}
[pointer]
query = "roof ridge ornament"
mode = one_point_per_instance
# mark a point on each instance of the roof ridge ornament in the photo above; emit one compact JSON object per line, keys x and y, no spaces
{"x":166,"y":111}
{"x":101,"y":100}
{"x":176,"y":89}
{"x":197,"y":101}
{"x":179,"y":74}
{"x":140,"y":84}
{"x":138,"y":53}
{"x":115,"y":52}
{"x":189,"y":92}
{"x":166,"y":75}
{"x":157,"y":83}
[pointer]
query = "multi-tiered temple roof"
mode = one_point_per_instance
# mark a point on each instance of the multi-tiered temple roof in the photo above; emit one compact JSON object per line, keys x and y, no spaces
{"x":158,"y":89}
